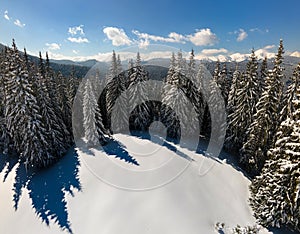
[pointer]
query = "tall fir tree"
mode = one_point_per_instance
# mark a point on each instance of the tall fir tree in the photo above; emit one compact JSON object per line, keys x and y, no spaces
{"x":23,"y":117}
{"x":56,"y":131}
{"x":261,"y":132}
{"x":243,"y":104}
{"x":138,"y":93}
{"x":120,"y":116}
{"x":263,"y":74}
{"x":276,"y":192}
{"x":94,"y":132}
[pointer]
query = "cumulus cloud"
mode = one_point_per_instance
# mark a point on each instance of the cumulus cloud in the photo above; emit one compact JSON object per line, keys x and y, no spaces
{"x":53,"y":46}
{"x":203,"y":37}
{"x":77,"y":30}
{"x":6,"y":16}
{"x":75,"y":51}
{"x":78,"y":39}
{"x":19,"y":23}
{"x":242,"y":35}
{"x":173,"y":37}
{"x":117,"y":36}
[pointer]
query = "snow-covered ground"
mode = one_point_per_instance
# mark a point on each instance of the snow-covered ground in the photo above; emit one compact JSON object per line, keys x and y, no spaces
{"x":169,"y":192}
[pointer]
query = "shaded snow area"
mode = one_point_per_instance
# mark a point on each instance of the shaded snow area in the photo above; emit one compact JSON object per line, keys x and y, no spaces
{"x":131,"y":186}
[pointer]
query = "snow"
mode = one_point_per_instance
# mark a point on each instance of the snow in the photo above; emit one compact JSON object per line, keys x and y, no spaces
{"x":191,"y":202}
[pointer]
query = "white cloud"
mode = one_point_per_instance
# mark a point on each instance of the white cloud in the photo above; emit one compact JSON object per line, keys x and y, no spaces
{"x":172,"y":37}
{"x":117,"y":36}
{"x":6,"y":16}
{"x":203,"y":37}
{"x":242,"y":35}
{"x":76,"y":30}
{"x":53,"y":46}
{"x":78,"y":40}
{"x":259,"y":30}
{"x":19,"y":24}
{"x":75,"y":51}
{"x":214,"y":51}
{"x":144,"y":43}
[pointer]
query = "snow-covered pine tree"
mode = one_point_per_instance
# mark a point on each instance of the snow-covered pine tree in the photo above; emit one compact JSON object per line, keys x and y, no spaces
{"x":171,"y":70}
{"x":181,"y":63}
{"x":112,"y":91}
{"x":3,"y":130}
{"x":92,"y":121}
{"x":233,"y":138}
{"x":138,"y":92}
{"x":260,"y":134}
{"x":192,"y":72}
{"x":55,"y":130}
{"x":217,"y":71}
{"x":59,"y":127}
{"x":113,"y":69}
{"x":64,"y":105}
{"x":263,"y":74}
{"x":23,"y":117}
{"x":289,"y":95}
{"x":71,"y":87}
{"x":276,"y":192}
{"x":174,"y":97}
{"x":224,"y":82}
{"x":243,"y":104}
{"x":120,"y":116}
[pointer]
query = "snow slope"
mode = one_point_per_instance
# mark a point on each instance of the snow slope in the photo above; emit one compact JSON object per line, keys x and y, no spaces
{"x":168,"y":192}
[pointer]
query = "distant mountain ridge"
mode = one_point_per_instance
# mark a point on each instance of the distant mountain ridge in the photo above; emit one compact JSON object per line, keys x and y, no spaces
{"x":82,"y":67}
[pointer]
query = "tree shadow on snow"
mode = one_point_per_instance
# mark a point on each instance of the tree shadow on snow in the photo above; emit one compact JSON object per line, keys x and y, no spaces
{"x":47,"y":188}
{"x":117,"y":149}
{"x":160,"y":141}
{"x":112,"y":148}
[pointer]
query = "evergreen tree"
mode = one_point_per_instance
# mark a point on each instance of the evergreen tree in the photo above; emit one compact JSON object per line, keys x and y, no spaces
{"x":275,"y":193}
{"x":192,"y":73}
{"x":23,"y":118}
{"x":112,"y":90}
{"x":55,"y":131}
{"x":138,"y":93}
{"x":93,"y":128}
{"x":243,"y":99}
{"x":265,"y":121}
{"x":5,"y":142}
{"x":224,"y":82}
{"x":174,"y":97}
{"x":217,"y":71}
{"x":263,"y":74}
{"x":113,"y":69}
{"x":233,"y":139}
{"x":64,"y":105}
{"x":120,"y":114}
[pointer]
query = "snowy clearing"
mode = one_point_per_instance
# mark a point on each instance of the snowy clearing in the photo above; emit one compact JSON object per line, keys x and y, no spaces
{"x":191,"y":203}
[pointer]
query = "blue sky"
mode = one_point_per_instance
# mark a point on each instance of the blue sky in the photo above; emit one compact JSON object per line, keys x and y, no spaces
{"x":84,"y":29}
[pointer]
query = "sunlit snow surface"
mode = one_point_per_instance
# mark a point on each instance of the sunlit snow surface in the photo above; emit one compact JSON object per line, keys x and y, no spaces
{"x":166,"y":191}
